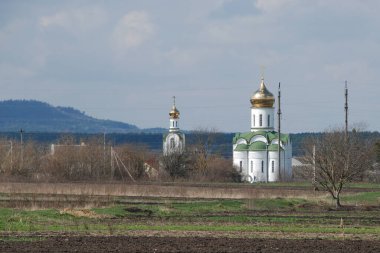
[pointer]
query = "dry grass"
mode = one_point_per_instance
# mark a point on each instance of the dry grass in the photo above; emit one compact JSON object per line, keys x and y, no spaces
{"x":155,"y":190}
{"x":82,"y":213}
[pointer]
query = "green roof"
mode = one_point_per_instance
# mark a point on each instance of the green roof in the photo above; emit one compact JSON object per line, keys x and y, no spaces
{"x":269,"y":135}
{"x":257,"y":146}
{"x":241,"y":147}
{"x":273,"y":147}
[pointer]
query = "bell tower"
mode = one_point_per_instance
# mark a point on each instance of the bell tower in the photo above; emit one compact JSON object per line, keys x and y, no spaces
{"x":174,"y":141}
{"x":262,"y":110}
{"x":174,"y":118}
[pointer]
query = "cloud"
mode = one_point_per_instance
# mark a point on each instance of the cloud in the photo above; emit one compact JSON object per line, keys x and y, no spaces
{"x":10,"y":71}
{"x":187,"y":59}
{"x":84,"y":19}
{"x":8,"y":30}
{"x":213,"y":48}
{"x":273,"y":5}
{"x":238,"y":30}
{"x":354,"y":70}
{"x":232,"y":8}
{"x":182,"y":57}
{"x":132,"y":30}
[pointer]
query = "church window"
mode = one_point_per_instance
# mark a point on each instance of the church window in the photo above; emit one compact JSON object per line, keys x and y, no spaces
{"x":173,"y":123}
{"x":251,"y":166}
{"x":254,"y":120}
{"x":241,"y":166}
{"x":262,"y":166}
{"x":268,"y":120}
{"x":261,"y":120}
{"x":176,"y":124}
{"x":272,"y":166}
{"x":172,"y":144}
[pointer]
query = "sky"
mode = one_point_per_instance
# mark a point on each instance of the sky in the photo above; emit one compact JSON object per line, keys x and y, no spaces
{"x":124,"y":60}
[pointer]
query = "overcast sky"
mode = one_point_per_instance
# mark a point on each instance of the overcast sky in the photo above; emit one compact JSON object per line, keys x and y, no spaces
{"x":124,"y":60}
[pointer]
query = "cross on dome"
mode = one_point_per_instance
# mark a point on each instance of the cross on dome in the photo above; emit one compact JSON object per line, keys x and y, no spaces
{"x":174,"y":113}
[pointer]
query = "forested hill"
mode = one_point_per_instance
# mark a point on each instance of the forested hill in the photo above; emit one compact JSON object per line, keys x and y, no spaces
{"x":35,"y":116}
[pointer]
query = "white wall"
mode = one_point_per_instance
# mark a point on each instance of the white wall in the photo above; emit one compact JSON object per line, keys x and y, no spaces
{"x":257,"y":157}
{"x":179,"y":143}
{"x":240,"y":156}
{"x":174,"y":125}
{"x":255,"y":119}
{"x":273,"y":176}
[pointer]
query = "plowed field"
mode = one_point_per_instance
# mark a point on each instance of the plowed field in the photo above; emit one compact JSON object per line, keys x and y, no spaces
{"x":185,"y":244}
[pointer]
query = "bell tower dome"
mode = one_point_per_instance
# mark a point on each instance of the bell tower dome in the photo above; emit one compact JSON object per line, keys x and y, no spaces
{"x":174,"y":118}
{"x":262,"y":110}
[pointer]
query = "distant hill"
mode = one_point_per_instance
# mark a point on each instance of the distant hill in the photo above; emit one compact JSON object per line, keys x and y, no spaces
{"x":36,"y":116}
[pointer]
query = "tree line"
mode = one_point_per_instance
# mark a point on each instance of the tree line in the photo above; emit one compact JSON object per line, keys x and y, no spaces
{"x":95,"y":159}
{"x":222,"y":144}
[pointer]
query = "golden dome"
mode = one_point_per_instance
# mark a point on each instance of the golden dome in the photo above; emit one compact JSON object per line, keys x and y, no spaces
{"x":262,"y":97}
{"x":174,"y":113}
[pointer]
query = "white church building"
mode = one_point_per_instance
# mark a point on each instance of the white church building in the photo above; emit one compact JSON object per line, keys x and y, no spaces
{"x":174,"y":140}
{"x":255,"y":153}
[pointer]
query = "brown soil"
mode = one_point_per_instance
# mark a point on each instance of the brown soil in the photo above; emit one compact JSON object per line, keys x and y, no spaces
{"x":185,"y":244}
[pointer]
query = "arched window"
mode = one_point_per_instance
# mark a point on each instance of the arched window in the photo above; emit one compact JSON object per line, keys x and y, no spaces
{"x":254,"y":120}
{"x":261,"y":120}
{"x":241,"y":166}
{"x":173,"y":123}
{"x":268,"y":120}
{"x":251,"y":166}
{"x":262,"y":166}
{"x":172,"y":144}
{"x":272,"y":166}
{"x":176,"y":124}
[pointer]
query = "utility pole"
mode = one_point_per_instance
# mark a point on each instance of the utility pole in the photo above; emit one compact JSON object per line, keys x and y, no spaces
{"x":279,"y":131}
{"x":267,"y":176}
{"x":346,"y":125}
{"x":112,"y":163}
{"x":104,"y":149}
{"x":21,"y":148}
{"x":314,"y":170}
{"x":11,"y":151}
{"x":346,"y":111}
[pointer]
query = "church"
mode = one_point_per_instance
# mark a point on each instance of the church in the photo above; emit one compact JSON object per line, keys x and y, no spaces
{"x":174,"y":141}
{"x":255,"y":153}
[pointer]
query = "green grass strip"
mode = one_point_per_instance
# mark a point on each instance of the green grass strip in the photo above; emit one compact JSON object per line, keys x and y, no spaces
{"x":215,"y":228}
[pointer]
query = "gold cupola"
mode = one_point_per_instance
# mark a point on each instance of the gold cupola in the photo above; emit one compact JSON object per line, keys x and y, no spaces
{"x":262,"y":98}
{"x":174,"y":113}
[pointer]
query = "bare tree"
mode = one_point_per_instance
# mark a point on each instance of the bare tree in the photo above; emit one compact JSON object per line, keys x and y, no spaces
{"x":338,"y":159}
{"x":24,"y":164}
{"x":219,"y":169}
{"x":134,"y":157}
{"x":175,"y":164}
{"x":377,"y":150}
{"x":71,"y":161}
{"x":204,"y":142}
{"x":7,"y":156}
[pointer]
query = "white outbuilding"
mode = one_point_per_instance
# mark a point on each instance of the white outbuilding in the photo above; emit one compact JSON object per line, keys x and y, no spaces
{"x":255,"y":153}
